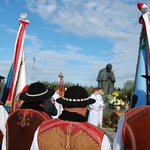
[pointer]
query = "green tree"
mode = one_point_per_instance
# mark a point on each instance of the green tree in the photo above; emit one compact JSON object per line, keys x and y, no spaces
{"x":128,"y":88}
{"x":129,"y":84}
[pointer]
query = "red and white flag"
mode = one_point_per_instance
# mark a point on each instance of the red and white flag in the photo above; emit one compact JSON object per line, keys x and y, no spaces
{"x":18,"y":81}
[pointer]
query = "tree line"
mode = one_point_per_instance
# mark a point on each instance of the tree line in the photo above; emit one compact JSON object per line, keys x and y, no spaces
{"x":127,"y":90}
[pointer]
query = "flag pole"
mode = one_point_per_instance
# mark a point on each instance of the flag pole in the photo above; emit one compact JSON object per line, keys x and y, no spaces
{"x":140,"y":95}
{"x":146,"y":27}
{"x":17,"y":75}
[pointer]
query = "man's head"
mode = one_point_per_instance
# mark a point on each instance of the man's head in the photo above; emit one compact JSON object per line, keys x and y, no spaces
{"x":75,"y":97}
{"x":100,"y":90}
{"x":109,"y":67}
{"x":36,"y":92}
{"x":97,"y":90}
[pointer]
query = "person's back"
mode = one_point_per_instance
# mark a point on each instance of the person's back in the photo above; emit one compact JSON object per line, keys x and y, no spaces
{"x":71,"y":131}
{"x":102,"y":107}
{"x":58,"y":134}
{"x":133,"y":130}
{"x":20,"y":127}
{"x":58,"y":106}
{"x":136,"y":133}
{"x":93,"y":116}
{"x":22,"y":123}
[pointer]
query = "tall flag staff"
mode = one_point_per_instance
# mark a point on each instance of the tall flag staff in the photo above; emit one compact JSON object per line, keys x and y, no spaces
{"x":142,"y":90}
{"x":147,"y":30}
{"x":16,"y":79}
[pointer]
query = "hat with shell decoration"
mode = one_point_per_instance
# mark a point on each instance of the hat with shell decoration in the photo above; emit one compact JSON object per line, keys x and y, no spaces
{"x":75,"y":96}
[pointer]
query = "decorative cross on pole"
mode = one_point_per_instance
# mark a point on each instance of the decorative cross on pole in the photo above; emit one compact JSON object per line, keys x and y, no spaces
{"x":61,"y":89}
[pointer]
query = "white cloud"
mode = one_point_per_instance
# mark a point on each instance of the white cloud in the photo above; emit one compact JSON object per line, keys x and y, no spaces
{"x":116,"y":21}
{"x":88,"y":17}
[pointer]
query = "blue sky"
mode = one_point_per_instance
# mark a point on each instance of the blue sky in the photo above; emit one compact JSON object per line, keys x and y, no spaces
{"x":77,"y":38}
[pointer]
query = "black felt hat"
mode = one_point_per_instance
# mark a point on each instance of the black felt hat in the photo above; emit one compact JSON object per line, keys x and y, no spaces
{"x":1,"y":77}
{"x":36,"y":92}
{"x":75,"y":96}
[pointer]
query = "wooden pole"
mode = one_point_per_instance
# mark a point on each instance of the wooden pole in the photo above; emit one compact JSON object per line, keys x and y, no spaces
{"x":61,"y":89}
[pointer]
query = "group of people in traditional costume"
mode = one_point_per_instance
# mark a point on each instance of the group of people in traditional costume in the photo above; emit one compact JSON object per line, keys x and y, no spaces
{"x":32,"y":126}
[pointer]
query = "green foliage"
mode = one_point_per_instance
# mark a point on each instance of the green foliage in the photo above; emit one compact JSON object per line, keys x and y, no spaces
{"x":54,"y":85}
{"x":106,"y":119}
{"x":122,"y":95}
{"x":128,"y":88}
{"x":117,"y":89}
{"x":128,"y":85}
{"x":89,"y":89}
{"x":110,"y":119}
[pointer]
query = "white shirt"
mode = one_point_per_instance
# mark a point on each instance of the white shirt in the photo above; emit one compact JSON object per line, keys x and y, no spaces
{"x":118,"y":143}
{"x":57,"y":105}
{"x":3,"y":119}
{"x":94,"y":115}
{"x":99,"y":97}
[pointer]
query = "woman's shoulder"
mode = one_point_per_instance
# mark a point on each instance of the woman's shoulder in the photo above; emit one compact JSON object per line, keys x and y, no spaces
{"x":93,"y":95}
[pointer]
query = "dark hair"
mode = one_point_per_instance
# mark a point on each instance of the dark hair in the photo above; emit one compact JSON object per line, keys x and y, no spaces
{"x":95,"y":89}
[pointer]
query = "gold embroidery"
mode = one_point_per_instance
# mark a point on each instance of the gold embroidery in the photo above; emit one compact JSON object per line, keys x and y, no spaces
{"x":23,"y":122}
{"x":69,"y":132}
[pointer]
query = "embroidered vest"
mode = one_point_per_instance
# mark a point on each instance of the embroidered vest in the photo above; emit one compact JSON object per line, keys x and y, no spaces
{"x":66,"y":135}
{"x":136,"y":129}
{"x":20,"y":128}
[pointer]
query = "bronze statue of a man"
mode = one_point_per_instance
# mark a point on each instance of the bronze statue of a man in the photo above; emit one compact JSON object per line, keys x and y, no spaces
{"x":106,"y":79}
